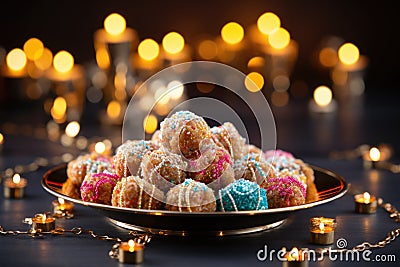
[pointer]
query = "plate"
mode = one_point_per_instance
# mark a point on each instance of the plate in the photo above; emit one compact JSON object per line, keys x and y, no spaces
{"x":330,"y":186}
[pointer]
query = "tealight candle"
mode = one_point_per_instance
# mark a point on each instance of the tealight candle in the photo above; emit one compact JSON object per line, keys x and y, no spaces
{"x":365,"y":203}
{"x":43,"y":223}
{"x":131,"y":252}
{"x":295,"y":258}
{"x":372,"y":158}
{"x":60,"y":205}
{"x":322,"y":230}
{"x":15,"y":187}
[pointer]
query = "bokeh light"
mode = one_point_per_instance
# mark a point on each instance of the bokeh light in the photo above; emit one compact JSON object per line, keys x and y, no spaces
{"x":322,"y":95}
{"x":72,"y":129}
{"x":208,"y":49}
{"x":173,"y":43}
{"x":148,"y":49}
{"x":268,"y":23}
{"x":63,"y":61}
{"x":33,"y":47}
{"x":232,"y":33}
{"x":150,"y":124}
{"x":348,"y":53}
{"x":44,"y":59}
{"x":16,"y":59}
{"x":279,"y":39}
{"x":115,"y":24}
{"x":254,"y":81}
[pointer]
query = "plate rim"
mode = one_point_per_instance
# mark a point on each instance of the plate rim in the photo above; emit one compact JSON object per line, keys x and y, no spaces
{"x":341,"y":193}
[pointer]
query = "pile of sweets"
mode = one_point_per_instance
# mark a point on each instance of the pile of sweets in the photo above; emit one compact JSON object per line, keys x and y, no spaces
{"x":189,"y":167}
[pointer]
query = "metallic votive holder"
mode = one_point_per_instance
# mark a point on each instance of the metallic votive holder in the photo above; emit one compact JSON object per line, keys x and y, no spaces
{"x":43,"y":223}
{"x":131,"y":254}
{"x":363,"y":206}
{"x":322,"y":230}
{"x":14,"y":190}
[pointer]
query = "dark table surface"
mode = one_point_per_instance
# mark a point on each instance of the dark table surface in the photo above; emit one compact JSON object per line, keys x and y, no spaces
{"x":310,"y":137}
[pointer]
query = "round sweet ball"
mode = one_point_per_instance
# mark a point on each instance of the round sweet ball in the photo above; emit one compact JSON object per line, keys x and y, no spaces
{"x":70,"y":189}
{"x":284,"y":192}
{"x":237,"y":141}
{"x":252,"y":149}
{"x":156,"y":138}
{"x":163,"y":169}
{"x":221,"y":138}
{"x":219,"y":173}
{"x":134,"y":192}
{"x":129,"y":155}
{"x":242,"y":195}
{"x":98,"y":187}
{"x":191,"y":196}
{"x":253,"y":167}
{"x":183,"y":132}
{"x":278,"y":153}
{"x":85,"y":164}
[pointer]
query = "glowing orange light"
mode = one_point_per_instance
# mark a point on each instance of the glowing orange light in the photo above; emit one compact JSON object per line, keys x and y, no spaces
{"x":279,"y":39}
{"x":16,"y":59}
{"x":173,"y":43}
{"x":148,"y":49}
{"x":374,"y":154}
{"x":322,"y":95}
{"x":33,"y":47}
{"x":232,"y":33}
{"x":63,"y":61}
{"x":348,"y":53}
{"x":16,"y":178}
{"x":115,"y":24}
{"x":268,"y":23}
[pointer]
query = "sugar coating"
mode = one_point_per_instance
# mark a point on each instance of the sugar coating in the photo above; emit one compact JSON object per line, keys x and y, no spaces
{"x":98,"y":187}
{"x":221,"y":138}
{"x":183,"y":132}
{"x":156,"y":138}
{"x":242,"y":195}
{"x":87,"y":164}
{"x":129,"y":155}
{"x":134,"y":192}
{"x":286,"y":165}
{"x":237,"y":141}
{"x":284,"y":192}
{"x":191,"y":196}
{"x":163,"y":169}
{"x":219,"y":173}
{"x":253,"y":167}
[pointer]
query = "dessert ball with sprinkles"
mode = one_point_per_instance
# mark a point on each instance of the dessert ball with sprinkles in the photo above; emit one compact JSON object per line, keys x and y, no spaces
{"x":163,"y":169}
{"x":284,"y":192}
{"x":87,"y":164}
{"x":190,"y":196}
{"x":156,"y":138}
{"x":70,"y":189}
{"x":242,"y":195}
{"x":221,"y":138}
{"x":237,"y":141}
{"x":219,"y":173}
{"x":98,"y":187}
{"x":252,"y":149}
{"x":183,"y":132}
{"x":129,"y":155}
{"x":135,"y":192}
{"x":253,"y":167}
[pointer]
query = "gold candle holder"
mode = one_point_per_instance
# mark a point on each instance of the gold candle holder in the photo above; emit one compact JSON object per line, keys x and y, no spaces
{"x":43,"y":223}
{"x":131,"y":252}
{"x":295,"y":258}
{"x":365,"y":203}
{"x":322,"y":230}
{"x":14,"y":188}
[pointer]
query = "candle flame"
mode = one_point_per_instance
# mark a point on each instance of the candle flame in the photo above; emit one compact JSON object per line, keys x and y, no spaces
{"x":16,"y":178}
{"x":367,"y":197}
{"x":61,"y":200}
{"x":374,"y":154}
{"x":44,"y":217}
{"x":115,"y":24}
{"x":131,"y":245}
{"x":321,"y":226}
